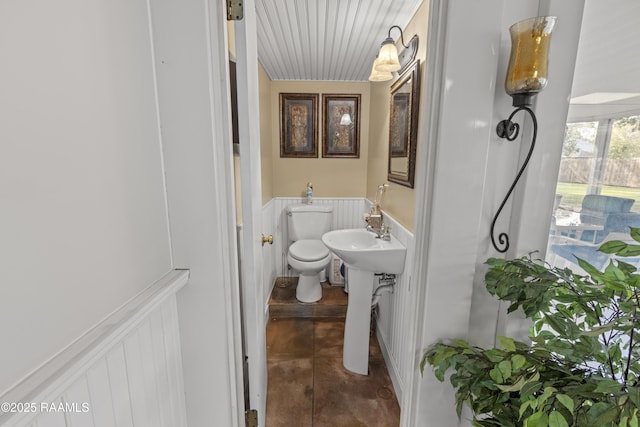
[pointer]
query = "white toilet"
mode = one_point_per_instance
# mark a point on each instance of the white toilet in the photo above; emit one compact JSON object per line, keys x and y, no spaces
{"x":307,"y":254}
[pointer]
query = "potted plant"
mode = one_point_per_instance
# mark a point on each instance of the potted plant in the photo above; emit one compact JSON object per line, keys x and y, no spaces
{"x":582,"y":365}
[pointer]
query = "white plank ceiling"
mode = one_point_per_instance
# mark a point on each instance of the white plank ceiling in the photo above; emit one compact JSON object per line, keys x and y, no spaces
{"x":608,"y":59}
{"x":326,"y":39}
{"x":337,"y":40}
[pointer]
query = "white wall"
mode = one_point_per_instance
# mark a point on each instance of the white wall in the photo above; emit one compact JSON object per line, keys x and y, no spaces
{"x":85,"y":224}
{"x":452,"y":235}
{"x":191,"y":62}
{"x":83,"y":220}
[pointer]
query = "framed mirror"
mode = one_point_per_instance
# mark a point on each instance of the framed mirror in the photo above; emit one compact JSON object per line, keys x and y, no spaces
{"x":403,"y":126}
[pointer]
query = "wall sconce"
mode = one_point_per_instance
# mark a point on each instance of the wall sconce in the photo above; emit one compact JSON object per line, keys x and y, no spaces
{"x":388,"y":60}
{"x":526,"y":76}
{"x":379,"y":76}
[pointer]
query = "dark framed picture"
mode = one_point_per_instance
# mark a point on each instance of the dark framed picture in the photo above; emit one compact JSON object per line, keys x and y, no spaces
{"x":341,"y":125}
{"x":298,"y":125}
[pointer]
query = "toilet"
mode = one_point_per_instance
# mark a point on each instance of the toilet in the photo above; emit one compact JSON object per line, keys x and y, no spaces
{"x":307,"y":254}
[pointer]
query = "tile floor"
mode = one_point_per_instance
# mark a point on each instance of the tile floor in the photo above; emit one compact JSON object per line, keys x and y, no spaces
{"x":309,"y":387}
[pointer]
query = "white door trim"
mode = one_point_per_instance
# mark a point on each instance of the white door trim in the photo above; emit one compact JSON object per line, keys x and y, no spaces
{"x":251,"y":194}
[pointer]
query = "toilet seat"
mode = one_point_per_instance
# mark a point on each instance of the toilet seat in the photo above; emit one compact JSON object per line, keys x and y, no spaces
{"x":308,"y":250}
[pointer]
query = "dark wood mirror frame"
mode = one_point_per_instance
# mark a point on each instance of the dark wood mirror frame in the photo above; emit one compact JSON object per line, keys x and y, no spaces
{"x":403,"y":125}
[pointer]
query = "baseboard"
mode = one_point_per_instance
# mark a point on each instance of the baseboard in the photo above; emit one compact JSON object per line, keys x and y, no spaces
{"x":394,"y":373}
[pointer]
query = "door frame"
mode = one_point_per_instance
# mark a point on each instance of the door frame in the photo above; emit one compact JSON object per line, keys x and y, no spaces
{"x":251,"y":197}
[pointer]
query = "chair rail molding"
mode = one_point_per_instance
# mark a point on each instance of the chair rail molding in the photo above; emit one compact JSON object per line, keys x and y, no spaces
{"x":128,"y":367}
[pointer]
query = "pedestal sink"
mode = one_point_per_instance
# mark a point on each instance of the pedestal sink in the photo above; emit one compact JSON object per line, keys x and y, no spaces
{"x":364,"y":254}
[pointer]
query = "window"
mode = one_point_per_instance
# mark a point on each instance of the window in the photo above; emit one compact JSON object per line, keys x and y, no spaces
{"x":598,"y":191}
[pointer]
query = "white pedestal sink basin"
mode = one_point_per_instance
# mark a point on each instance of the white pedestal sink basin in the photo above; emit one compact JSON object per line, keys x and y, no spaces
{"x":362,"y":250}
{"x":364,"y":254}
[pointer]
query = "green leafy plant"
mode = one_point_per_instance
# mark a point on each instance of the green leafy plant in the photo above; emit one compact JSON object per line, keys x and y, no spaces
{"x":582,"y":365}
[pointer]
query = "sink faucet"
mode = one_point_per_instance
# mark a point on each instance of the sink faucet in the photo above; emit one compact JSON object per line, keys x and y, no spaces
{"x":383,"y":233}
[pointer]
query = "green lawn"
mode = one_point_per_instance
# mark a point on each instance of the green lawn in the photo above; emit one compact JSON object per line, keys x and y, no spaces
{"x":572,"y":194}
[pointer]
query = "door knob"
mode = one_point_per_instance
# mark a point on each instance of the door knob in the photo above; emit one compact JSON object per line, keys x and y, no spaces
{"x":267,"y":239}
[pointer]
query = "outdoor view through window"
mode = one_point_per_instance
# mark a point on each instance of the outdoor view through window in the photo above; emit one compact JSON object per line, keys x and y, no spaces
{"x":598,"y":192}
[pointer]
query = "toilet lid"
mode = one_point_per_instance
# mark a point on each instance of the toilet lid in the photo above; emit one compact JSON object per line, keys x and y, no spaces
{"x":308,"y":250}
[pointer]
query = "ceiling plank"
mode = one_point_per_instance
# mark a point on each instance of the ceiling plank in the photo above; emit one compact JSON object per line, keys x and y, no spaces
{"x":325,"y":39}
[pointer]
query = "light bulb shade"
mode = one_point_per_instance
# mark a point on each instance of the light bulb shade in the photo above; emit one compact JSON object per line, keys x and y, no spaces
{"x":529,"y":60}
{"x":388,"y":57}
{"x":379,"y":76}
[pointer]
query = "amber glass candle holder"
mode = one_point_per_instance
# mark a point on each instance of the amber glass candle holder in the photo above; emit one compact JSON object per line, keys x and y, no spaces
{"x":529,"y":60}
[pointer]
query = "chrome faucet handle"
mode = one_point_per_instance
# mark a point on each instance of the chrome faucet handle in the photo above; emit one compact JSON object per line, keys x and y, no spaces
{"x":386,"y":232}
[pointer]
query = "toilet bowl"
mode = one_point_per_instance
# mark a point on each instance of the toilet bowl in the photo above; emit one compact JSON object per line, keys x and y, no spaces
{"x":308,"y":256}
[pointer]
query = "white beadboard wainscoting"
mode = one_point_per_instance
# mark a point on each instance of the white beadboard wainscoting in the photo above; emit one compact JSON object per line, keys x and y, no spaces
{"x":393,"y":309}
{"x":347,"y":213}
{"x":126,"y":371}
{"x":393,"y":314}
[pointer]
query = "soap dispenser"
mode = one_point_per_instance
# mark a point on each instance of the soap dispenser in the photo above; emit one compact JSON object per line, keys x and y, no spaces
{"x":309,"y":193}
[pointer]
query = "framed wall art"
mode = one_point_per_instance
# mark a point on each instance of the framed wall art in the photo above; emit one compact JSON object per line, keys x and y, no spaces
{"x":341,"y":125}
{"x":298,"y":125}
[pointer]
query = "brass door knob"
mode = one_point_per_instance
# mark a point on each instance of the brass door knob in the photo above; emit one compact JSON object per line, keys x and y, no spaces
{"x":267,"y":239}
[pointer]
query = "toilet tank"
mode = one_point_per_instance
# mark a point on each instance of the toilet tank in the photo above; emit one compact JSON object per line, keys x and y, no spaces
{"x":308,"y":221}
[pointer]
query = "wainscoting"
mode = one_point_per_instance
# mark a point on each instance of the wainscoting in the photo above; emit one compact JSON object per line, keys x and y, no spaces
{"x":392,"y":313}
{"x":347,"y":213}
{"x":127,"y":371}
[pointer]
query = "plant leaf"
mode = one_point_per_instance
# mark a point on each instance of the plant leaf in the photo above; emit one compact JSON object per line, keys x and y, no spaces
{"x":508,"y":343}
{"x":566,"y":401}
{"x":517,"y":386}
{"x":590,"y":269}
{"x":530,"y":388}
{"x":494,"y":355}
{"x":634,"y":395}
{"x":603,"y":413}
{"x":548,"y":392}
{"x":526,"y":405}
{"x":599,"y":330}
{"x":608,"y":386}
{"x":612,"y":246}
{"x":557,"y":420}
{"x":556,"y":324}
{"x":517,"y":362}
{"x":539,"y":419}
{"x":441,"y":354}
{"x":496,"y":375}
{"x":461,"y":343}
{"x":505,"y":369}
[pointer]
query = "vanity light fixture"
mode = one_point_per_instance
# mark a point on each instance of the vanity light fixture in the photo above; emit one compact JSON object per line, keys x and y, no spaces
{"x":388,"y":61}
{"x":379,"y":76}
{"x":526,"y":76}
